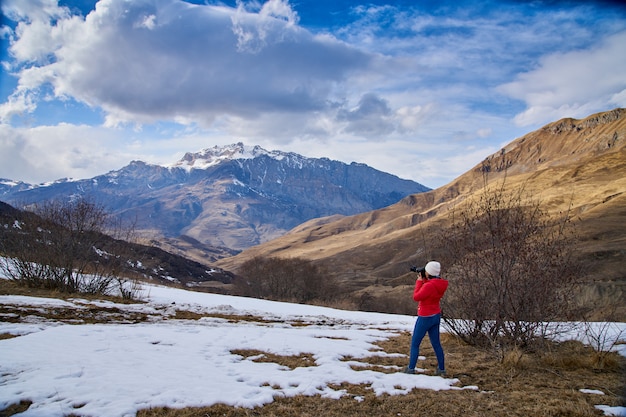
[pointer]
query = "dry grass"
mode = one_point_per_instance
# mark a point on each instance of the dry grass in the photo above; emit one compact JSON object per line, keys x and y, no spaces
{"x":232,"y":318}
{"x":292,"y":362}
{"x":88,"y":315}
{"x":8,"y":287}
{"x":15,"y":408}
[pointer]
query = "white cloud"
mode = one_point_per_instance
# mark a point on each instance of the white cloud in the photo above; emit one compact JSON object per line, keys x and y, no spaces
{"x":255,"y":28}
{"x":412,"y":117}
{"x":51,"y":152}
{"x":619,"y":99}
{"x":572,"y":84}
{"x":149,"y":22}
{"x":16,"y":104}
{"x":34,"y":10}
{"x":484,"y":132}
{"x":149,"y":61}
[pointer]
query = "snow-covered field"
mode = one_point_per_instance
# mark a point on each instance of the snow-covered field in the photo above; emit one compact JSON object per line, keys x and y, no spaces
{"x":116,"y":369}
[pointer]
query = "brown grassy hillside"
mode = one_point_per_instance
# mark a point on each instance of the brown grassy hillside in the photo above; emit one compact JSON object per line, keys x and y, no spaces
{"x":569,"y":164}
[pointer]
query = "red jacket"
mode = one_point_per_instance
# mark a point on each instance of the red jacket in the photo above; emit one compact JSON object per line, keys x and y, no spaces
{"x":427,"y":294}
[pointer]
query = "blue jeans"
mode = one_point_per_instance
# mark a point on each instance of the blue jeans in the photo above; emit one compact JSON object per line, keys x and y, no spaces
{"x":428,"y":325}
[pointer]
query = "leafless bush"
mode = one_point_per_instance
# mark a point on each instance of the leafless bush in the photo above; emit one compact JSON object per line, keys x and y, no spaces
{"x":291,"y":279}
{"x":512,"y":269}
{"x":58,"y":246}
{"x":604,"y":336}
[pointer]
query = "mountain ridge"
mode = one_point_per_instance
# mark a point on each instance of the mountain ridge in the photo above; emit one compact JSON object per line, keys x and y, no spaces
{"x":221,"y":200}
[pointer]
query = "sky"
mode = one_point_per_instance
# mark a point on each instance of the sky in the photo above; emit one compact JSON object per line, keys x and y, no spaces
{"x":423,"y":90}
{"x":113,"y":370}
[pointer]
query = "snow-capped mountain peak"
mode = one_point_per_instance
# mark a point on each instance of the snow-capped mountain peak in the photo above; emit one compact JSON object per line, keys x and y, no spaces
{"x":212,"y":156}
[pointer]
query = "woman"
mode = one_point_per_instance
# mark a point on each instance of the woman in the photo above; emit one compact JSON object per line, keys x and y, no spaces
{"x":429,"y":288}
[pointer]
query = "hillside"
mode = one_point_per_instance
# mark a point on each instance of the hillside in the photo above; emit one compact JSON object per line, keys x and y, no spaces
{"x":142,"y":262}
{"x":569,"y":163}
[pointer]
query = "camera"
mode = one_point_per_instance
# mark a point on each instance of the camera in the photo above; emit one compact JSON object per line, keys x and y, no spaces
{"x":421,"y":271}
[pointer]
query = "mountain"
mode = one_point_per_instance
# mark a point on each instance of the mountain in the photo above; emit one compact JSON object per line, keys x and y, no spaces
{"x":577,"y":165}
{"x":216,"y":202}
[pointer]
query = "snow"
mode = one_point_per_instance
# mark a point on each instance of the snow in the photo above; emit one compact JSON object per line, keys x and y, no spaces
{"x":591,"y":391}
{"x":115,"y":369}
{"x":209,"y":157}
{"x":612,"y":411}
{"x":216,"y":155}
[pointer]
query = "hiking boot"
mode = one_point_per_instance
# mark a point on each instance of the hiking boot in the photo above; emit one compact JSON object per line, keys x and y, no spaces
{"x":408,"y":370}
{"x":440,"y":372}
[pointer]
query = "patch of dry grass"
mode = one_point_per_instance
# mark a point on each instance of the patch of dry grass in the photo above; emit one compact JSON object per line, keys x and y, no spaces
{"x":232,"y":318}
{"x":292,"y":361}
{"x":88,"y":315}
{"x":15,"y":408}
{"x":9,"y":287}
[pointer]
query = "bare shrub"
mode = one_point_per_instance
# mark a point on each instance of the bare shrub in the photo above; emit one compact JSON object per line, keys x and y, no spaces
{"x":58,"y":245}
{"x":512,"y":269}
{"x":603,"y":337}
{"x":293,"y":279}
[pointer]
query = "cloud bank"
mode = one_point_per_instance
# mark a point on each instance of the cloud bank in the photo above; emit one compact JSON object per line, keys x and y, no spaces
{"x":385,"y":84}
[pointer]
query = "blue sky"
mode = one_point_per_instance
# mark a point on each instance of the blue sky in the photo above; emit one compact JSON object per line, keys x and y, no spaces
{"x":421,"y":89}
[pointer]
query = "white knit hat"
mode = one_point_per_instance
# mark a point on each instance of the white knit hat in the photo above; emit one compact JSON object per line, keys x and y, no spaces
{"x":433,"y":268}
